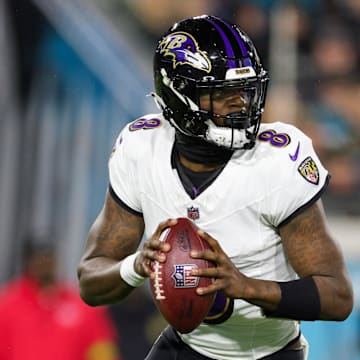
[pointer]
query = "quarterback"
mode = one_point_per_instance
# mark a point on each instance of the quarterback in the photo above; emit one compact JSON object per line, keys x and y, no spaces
{"x":253,"y":189}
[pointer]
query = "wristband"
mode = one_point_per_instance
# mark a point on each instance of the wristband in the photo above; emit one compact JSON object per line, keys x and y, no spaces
{"x":128,"y":273}
{"x":300,"y":300}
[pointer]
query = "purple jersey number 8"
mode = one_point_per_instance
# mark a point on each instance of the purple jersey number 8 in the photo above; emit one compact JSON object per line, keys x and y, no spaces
{"x":144,"y":124}
{"x":275,"y":139}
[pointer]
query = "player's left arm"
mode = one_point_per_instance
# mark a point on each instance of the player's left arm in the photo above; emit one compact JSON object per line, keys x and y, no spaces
{"x":313,"y":252}
{"x":323,"y":291}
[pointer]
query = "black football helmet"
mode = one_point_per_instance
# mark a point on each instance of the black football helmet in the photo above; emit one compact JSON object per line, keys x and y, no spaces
{"x":208,"y":55}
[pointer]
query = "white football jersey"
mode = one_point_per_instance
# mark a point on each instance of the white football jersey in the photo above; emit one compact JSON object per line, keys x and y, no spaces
{"x":257,"y":190}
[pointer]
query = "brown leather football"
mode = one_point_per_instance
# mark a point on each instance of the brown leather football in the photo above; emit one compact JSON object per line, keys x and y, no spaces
{"x":174,"y":288}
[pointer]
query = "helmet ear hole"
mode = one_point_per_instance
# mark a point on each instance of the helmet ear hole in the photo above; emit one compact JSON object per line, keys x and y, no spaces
{"x":168,"y":114}
{"x":179,"y":84}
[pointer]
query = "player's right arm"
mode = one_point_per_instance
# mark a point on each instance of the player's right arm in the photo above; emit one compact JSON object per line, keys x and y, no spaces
{"x":115,"y":234}
{"x":119,"y":228}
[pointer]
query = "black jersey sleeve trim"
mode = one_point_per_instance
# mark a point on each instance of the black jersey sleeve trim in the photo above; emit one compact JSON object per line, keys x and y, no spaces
{"x":122,"y":204}
{"x":308,"y":204}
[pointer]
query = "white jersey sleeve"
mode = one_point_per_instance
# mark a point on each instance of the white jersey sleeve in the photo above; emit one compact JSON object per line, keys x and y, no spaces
{"x":297,"y":176}
{"x":122,"y":170}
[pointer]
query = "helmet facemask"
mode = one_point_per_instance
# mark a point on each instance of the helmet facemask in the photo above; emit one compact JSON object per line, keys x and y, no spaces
{"x":238,"y":130}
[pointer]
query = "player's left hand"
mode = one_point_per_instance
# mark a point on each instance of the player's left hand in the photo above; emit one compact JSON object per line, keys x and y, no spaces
{"x":227,"y":277}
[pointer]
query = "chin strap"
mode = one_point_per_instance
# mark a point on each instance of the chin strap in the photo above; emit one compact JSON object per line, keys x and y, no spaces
{"x":228,"y":137}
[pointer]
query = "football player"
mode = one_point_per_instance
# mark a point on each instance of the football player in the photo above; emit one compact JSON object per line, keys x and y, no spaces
{"x":253,"y":189}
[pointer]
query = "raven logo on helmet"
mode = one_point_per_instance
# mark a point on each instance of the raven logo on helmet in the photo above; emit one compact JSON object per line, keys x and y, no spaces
{"x":184,"y":49}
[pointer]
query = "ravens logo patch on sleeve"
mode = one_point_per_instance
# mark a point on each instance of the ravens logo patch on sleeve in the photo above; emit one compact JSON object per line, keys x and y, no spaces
{"x":309,"y":170}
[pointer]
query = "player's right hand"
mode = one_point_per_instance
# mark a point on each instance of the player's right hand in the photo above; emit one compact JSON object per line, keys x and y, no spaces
{"x":153,"y":250}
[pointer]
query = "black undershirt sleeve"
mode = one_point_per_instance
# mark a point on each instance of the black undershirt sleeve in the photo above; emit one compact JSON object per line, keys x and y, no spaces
{"x":122,"y":204}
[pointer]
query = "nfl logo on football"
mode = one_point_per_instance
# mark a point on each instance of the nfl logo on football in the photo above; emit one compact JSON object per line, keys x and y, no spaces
{"x":182,"y":276}
{"x":193,"y":213}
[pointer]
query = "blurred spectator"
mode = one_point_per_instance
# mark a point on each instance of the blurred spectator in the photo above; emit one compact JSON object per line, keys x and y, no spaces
{"x":155,"y":15}
{"x":254,"y":20}
{"x":349,"y":12}
{"x":42,"y":318}
{"x":334,"y":52}
{"x":332,"y":96}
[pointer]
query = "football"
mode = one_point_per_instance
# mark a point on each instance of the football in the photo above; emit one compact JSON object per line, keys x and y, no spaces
{"x":174,"y":288}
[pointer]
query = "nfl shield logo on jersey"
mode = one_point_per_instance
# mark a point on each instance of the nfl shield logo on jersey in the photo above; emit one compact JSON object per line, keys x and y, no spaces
{"x":193,"y":213}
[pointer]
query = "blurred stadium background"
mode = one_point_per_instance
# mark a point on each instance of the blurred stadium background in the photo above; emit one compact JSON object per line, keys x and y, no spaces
{"x":73,"y":72}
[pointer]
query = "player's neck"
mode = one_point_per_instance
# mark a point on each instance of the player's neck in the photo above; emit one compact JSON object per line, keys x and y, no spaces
{"x":196,"y":166}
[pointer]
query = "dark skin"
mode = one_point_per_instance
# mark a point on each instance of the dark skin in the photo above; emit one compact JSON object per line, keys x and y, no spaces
{"x":310,"y":248}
